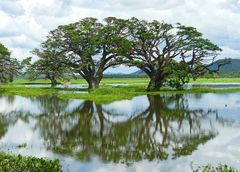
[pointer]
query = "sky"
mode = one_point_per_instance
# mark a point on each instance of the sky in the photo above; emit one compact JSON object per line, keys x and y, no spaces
{"x":24,"y":24}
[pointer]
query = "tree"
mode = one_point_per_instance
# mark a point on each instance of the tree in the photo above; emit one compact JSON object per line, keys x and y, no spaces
{"x":90,"y":47}
{"x":50,"y":66}
{"x":157,"y":48}
{"x":8,"y":66}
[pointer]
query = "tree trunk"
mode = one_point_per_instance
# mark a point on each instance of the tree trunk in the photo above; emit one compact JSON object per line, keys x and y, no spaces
{"x":53,"y":82}
{"x":93,"y":83}
{"x":155,"y":83}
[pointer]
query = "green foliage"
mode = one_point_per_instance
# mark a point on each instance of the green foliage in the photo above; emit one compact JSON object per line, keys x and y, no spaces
{"x":12,"y":163}
{"x":178,"y":75}
{"x":220,"y":168}
{"x":51,"y":66}
{"x":8,"y":66}
{"x":89,"y":47}
{"x":159,"y":48}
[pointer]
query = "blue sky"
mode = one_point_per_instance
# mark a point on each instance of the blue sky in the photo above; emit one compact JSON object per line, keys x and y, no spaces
{"x":25,"y":23}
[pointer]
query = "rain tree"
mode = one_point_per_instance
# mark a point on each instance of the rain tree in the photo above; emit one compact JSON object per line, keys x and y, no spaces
{"x":168,"y":53}
{"x":90,"y":47}
{"x":50,"y":66}
{"x":9,"y":67}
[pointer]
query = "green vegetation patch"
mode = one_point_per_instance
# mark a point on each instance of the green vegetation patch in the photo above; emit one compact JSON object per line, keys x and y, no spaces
{"x":220,"y":168}
{"x":12,"y":163}
{"x":216,"y":80}
{"x":130,"y":81}
{"x":24,"y":91}
{"x":107,"y":94}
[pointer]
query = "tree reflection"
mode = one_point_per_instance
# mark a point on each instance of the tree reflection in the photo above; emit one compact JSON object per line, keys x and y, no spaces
{"x":51,"y":104}
{"x":167,"y":128}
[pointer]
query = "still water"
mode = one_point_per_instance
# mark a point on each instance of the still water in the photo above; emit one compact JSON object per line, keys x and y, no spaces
{"x":148,"y":133}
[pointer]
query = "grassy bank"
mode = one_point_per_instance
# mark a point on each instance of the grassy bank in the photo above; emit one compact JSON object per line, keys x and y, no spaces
{"x":18,"y":163}
{"x":104,"y":94}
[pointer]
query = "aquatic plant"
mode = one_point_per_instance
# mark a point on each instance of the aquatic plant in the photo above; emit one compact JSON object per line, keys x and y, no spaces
{"x":18,"y":163}
{"x":219,"y":168}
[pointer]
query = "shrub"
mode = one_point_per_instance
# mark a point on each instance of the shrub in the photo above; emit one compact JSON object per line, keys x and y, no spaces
{"x":12,"y":163}
{"x":220,"y":168}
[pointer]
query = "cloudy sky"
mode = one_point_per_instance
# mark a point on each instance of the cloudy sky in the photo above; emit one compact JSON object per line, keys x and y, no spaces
{"x":25,"y":23}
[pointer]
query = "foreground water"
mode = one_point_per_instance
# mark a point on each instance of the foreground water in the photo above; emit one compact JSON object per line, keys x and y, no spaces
{"x":148,"y":133}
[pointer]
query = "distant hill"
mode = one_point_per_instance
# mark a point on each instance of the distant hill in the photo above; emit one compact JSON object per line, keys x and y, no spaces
{"x":234,"y":66}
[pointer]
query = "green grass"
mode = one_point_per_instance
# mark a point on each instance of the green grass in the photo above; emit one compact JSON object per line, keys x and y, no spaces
{"x":18,"y":163}
{"x":24,"y":91}
{"x":108,"y":94}
{"x":105,"y":93}
{"x":215,"y":80}
{"x":82,"y":81}
{"x":125,"y":81}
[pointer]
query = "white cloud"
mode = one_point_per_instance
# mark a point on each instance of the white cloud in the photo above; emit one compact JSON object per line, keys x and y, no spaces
{"x":229,"y":52}
{"x":25,"y":23}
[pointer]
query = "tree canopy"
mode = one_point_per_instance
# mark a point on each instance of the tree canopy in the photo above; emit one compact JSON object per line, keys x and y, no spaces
{"x":50,"y":66}
{"x":168,"y":54}
{"x":8,"y":66}
{"x":89,"y":47}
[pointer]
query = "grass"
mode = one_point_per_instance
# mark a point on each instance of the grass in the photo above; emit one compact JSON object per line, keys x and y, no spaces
{"x":82,"y":81}
{"x":18,"y":163}
{"x":126,"y":81}
{"x":216,"y":80}
{"x":24,"y":91}
{"x":106,"y":93}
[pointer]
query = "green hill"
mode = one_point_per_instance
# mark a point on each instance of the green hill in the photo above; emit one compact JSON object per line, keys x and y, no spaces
{"x":234,"y":66}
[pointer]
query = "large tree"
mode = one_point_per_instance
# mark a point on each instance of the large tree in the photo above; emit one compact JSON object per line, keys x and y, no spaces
{"x":8,"y":66}
{"x":50,"y":65}
{"x":168,"y":53}
{"x":90,"y":47}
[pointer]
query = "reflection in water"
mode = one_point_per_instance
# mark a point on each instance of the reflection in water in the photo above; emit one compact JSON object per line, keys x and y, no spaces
{"x":150,"y":134}
{"x":157,"y":128}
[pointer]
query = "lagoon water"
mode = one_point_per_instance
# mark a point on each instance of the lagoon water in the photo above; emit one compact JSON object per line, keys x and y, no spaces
{"x":165,"y":133}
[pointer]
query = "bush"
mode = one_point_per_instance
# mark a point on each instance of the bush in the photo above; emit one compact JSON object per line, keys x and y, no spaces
{"x":220,"y":168}
{"x":12,"y":163}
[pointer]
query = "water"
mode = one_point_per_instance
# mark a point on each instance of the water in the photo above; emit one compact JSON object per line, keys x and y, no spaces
{"x":148,"y":133}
